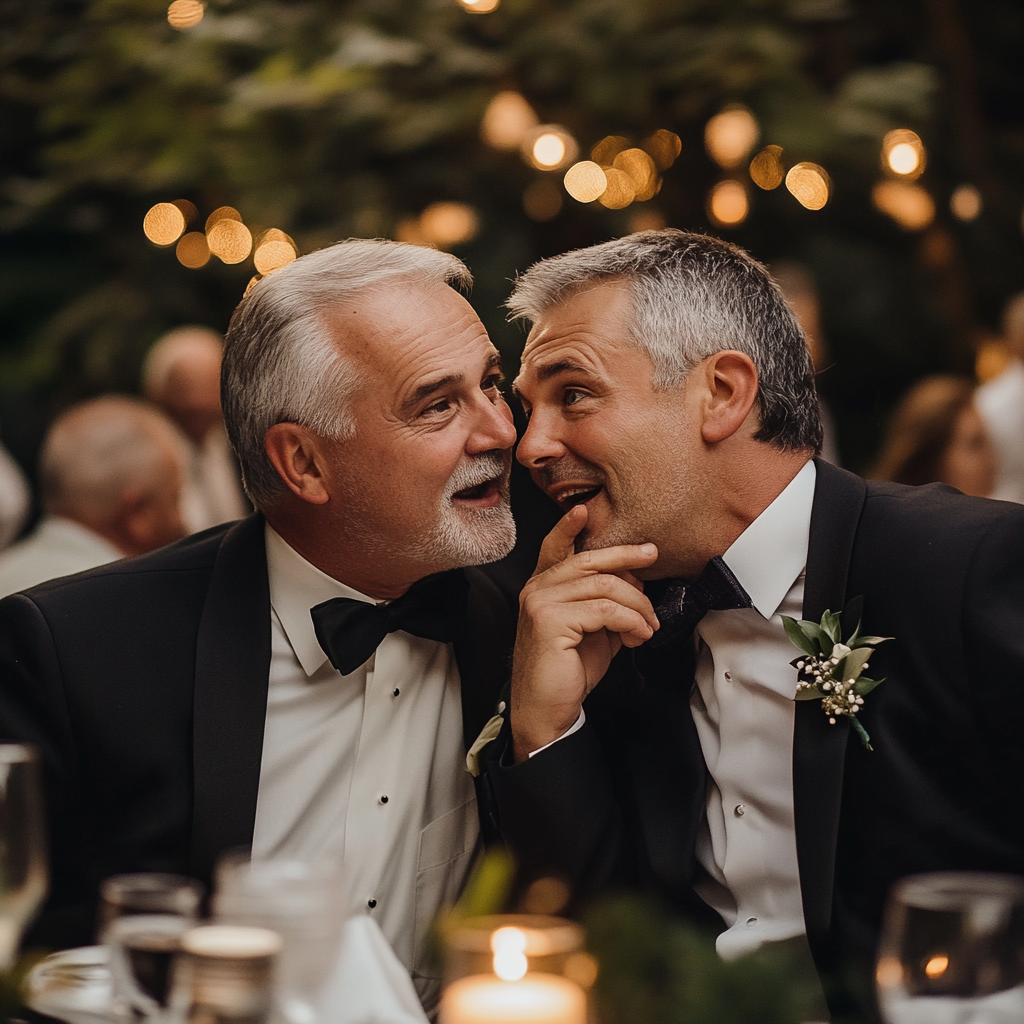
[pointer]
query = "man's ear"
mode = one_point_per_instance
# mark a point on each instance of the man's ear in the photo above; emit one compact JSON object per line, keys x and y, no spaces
{"x":731,"y":381}
{"x":298,"y":456}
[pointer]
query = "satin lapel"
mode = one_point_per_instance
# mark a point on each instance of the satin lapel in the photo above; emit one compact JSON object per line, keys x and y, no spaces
{"x":483,"y":654}
{"x":819,"y":749}
{"x":230,"y":702}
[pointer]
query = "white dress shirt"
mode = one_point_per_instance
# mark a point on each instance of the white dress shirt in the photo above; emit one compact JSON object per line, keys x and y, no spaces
{"x":744,"y":711}
{"x":368,"y":767}
{"x":56,"y":547}
{"x":1001,"y":405}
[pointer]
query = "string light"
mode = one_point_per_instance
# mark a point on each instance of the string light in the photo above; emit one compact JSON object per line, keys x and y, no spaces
{"x":903,"y":153}
{"x":585,"y":181}
{"x":549,"y":147}
{"x":809,"y":184}
{"x":229,"y":240}
{"x":507,"y":120}
{"x":193,"y":251}
{"x":730,"y":136}
{"x":509,"y":948}
{"x":766,"y":168}
{"x":965,"y":202}
{"x":447,"y":224}
{"x":728,"y":205}
{"x":663,"y":147}
{"x":907,"y":204}
{"x":163,"y":224}
{"x":183,"y":14}
{"x":620,"y":190}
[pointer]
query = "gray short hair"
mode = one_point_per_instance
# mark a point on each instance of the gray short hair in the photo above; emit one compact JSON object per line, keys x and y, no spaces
{"x":180,"y":345}
{"x":97,"y":450}
{"x":282,"y":362}
{"x":693,"y":296}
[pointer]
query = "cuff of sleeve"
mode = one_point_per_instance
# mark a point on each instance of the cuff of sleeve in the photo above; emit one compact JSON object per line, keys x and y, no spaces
{"x":575,"y":727}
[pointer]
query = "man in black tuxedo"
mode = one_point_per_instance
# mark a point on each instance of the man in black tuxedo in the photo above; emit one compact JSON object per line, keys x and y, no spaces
{"x":307,"y":681}
{"x":653,"y":739}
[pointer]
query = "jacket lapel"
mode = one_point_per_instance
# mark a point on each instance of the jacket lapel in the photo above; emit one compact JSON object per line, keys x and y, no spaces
{"x":230,"y":701}
{"x":819,"y":749}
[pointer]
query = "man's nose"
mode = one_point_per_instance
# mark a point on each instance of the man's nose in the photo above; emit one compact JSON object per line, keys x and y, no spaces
{"x":495,"y":429}
{"x":538,"y":445}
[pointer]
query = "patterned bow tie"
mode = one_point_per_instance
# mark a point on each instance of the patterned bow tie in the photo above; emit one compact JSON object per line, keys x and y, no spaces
{"x":680,"y":606}
{"x":349,"y":631}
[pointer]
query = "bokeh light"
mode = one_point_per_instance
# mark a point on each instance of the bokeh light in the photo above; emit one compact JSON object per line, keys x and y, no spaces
{"x":581,"y":968}
{"x":229,"y":240}
{"x":253,"y":281}
{"x":605,"y":151}
{"x":183,"y":14}
{"x":222,"y":213}
{"x":163,"y":224}
{"x":766,"y":168}
{"x":509,"y":948}
{"x":730,"y":136}
{"x":728,"y":205}
{"x":620,"y":191}
{"x":193,"y":251}
{"x":663,"y":147}
{"x":641,"y":170}
{"x":272,"y":254}
{"x":549,"y":147}
{"x":408,"y":230}
{"x":965,"y":202}
{"x":479,"y":6}
{"x":447,"y":224}
{"x":585,"y":181}
{"x":188,"y":210}
{"x":507,"y":120}
{"x":810,"y":184}
{"x":907,"y":204}
{"x":903,"y":153}
{"x":542,"y":200}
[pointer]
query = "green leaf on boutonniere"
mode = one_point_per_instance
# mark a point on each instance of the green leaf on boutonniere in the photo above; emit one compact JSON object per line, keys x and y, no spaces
{"x":801,"y":636}
{"x":865,"y":685}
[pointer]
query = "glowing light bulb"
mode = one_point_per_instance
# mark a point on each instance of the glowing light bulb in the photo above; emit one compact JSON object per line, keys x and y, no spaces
{"x":585,"y":181}
{"x":549,"y":147}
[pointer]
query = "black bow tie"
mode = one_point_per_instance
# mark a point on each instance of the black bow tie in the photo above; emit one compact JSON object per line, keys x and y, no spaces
{"x":681,"y":606}
{"x":349,"y":631}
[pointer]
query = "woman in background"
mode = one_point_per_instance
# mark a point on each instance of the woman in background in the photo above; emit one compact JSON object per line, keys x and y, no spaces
{"x":936,"y":435}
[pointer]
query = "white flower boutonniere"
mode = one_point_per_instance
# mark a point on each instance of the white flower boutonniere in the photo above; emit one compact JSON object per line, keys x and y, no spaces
{"x":833,"y":669}
{"x":488,"y":734}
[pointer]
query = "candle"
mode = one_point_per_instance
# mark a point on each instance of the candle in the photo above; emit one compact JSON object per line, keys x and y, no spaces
{"x":534,"y":999}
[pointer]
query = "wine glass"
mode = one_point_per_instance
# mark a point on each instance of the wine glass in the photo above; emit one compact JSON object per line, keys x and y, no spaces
{"x":23,"y":873}
{"x":952,"y":950}
{"x":142,"y":920}
{"x":305,"y":904}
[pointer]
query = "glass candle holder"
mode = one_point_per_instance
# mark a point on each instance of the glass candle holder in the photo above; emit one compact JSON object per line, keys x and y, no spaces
{"x":516,"y":969}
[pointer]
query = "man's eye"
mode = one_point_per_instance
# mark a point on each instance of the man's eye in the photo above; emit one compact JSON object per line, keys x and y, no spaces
{"x":572,"y":395}
{"x":441,"y":405}
{"x":492,"y":383}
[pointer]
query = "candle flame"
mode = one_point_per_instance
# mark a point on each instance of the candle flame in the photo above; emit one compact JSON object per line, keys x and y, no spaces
{"x":509,"y":945}
{"x":936,"y":966}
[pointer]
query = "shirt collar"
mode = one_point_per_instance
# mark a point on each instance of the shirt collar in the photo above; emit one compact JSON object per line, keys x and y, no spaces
{"x":296,"y":586}
{"x":769,"y":555}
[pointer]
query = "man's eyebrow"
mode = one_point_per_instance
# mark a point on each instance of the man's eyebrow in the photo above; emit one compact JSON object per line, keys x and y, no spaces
{"x":427,"y":389}
{"x":548,"y":370}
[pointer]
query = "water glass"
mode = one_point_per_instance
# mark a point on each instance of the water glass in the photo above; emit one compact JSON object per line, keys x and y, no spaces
{"x":142,"y":920}
{"x":23,"y":871}
{"x":305,"y":904}
{"x":952,"y":950}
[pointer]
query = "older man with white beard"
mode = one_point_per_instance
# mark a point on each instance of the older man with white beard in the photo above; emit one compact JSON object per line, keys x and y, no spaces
{"x":307,"y":681}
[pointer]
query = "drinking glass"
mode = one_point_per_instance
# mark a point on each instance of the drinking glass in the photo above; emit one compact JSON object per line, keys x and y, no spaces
{"x":23,"y":874}
{"x":305,"y":904}
{"x":142,"y":919}
{"x":952,"y":950}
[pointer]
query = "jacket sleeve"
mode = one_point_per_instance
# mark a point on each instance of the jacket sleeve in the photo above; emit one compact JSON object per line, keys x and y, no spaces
{"x":34,"y":709}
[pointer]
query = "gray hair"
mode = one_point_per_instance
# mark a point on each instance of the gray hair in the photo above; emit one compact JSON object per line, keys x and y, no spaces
{"x":97,"y":450}
{"x":693,"y":296}
{"x":282,"y":358}
{"x":182,"y":344}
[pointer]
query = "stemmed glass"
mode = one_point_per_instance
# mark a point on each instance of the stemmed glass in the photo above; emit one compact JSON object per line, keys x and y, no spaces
{"x":952,"y":950}
{"x":142,"y":920}
{"x":23,"y":872}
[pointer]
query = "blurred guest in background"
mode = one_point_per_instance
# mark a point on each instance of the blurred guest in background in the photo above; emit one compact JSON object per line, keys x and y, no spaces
{"x":111,"y":473}
{"x":1001,"y":404}
{"x":182,"y":376}
{"x":801,"y":296}
{"x":937,"y":436}
{"x":14,"y":498}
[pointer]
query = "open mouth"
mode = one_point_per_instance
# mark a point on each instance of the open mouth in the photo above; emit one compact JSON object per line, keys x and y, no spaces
{"x":483,"y":495}
{"x":573,"y":496}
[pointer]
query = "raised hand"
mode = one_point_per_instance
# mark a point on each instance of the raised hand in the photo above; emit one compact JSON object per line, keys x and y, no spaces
{"x":575,"y":613}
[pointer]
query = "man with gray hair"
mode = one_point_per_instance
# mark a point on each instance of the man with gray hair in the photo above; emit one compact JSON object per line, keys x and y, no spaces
{"x":657,"y":735}
{"x":306,"y":682}
{"x":110,"y":474}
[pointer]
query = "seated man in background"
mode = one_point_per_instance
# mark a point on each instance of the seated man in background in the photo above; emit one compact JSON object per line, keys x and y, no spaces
{"x":673,"y":417}
{"x":181,"y":375}
{"x":307,"y":681}
{"x":110,"y":477}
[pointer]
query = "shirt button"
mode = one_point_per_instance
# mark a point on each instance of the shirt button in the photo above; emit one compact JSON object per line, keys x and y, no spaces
{"x":728,"y":675}
{"x":384,"y":799}
{"x":395,"y":692}
{"x":751,"y":921}
{"x":371,"y":903}
{"x":739,"y":810}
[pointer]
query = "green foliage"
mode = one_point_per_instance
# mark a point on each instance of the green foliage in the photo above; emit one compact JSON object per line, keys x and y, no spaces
{"x":656,"y":970}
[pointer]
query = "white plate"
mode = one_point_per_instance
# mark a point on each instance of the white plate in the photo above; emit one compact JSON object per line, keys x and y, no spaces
{"x":72,"y":985}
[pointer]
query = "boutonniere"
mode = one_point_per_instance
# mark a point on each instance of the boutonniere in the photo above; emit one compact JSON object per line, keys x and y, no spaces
{"x":488,"y":734}
{"x":832,"y":669}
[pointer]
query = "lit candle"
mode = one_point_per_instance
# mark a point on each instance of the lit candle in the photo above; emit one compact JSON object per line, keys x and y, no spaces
{"x":534,"y":999}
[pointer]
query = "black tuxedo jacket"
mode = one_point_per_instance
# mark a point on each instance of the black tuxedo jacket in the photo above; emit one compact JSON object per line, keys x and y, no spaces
{"x":620,"y":801}
{"x":144,"y":683}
